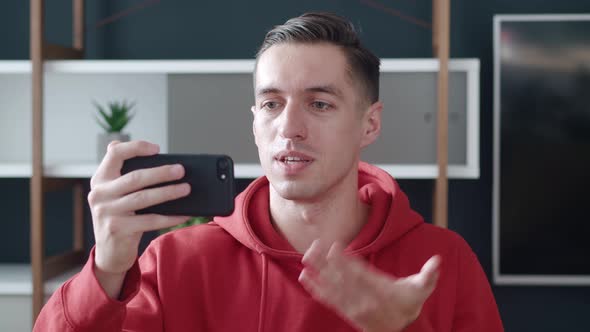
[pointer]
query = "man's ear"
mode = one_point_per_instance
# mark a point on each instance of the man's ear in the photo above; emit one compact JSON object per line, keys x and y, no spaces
{"x":253,"y":109}
{"x":371,"y":124}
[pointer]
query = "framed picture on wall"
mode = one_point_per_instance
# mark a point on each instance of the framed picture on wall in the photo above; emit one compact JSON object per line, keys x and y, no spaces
{"x":541,"y":189}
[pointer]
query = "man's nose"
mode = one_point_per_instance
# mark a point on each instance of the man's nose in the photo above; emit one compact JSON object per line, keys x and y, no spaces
{"x":292,"y":122}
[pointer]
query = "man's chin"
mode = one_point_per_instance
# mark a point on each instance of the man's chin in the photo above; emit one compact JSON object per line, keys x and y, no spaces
{"x":294,"y":190}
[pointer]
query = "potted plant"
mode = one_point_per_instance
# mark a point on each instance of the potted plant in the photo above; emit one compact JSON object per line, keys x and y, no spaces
{"x":113,"y":121}
{"x":190,"y":222}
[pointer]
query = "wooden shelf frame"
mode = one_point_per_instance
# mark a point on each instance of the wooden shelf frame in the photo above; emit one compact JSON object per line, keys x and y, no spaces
{"x":441,"y":21}
{"x":42,"y":267}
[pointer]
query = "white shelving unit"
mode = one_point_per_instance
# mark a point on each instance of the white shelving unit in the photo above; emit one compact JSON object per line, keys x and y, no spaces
{"x":70,"y":131}
{"x":15,"y":279}
{"x":246,"y":171}
{"x":15,"y":295}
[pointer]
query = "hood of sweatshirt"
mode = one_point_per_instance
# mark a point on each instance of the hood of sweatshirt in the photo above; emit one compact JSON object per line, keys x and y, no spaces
{"x":390,"y":217}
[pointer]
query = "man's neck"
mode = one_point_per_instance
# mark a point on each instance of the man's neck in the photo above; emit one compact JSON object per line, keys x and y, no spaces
{"x":338,"y":216}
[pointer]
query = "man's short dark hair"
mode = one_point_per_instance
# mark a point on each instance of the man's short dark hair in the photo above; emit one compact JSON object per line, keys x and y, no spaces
{"x":313,"y":28}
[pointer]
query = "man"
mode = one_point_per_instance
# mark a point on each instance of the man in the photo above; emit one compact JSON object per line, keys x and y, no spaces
{"x":323,"y":242}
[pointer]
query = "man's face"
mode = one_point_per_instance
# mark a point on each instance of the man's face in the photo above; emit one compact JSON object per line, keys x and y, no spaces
{"x":309,"y":120}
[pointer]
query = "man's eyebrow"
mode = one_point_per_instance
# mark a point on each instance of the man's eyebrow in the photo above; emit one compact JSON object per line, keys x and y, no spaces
{"x":266,"y":91}
{"x":329,"y":89}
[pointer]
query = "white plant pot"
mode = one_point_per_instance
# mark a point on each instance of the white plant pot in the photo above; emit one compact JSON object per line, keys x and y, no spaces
{"x":103,"y":142}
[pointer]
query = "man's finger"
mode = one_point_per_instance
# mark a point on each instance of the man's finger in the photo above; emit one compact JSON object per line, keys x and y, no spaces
{"x":323,"y":270}
{"x":431,"y":265}
{"x":339,"y":268}
{"x":315,"y":256}
{"x":336,"y":251}
{"x":352,"y":266}
{"x":141,"y":178}
{"x":148,"y":197}
{"x":317,"y":289}
{"x":428,"y":275}
{"x":117,"y":153}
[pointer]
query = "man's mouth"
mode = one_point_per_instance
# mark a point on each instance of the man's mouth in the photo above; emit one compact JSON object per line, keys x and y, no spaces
{"x":293,"y":160}
{"x":292,"y":163}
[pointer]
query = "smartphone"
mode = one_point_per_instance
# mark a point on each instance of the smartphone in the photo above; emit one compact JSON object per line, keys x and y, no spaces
{"x":211,"y":178}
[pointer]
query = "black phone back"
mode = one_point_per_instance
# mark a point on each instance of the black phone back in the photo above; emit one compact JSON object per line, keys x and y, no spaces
{"x":211,"y":178}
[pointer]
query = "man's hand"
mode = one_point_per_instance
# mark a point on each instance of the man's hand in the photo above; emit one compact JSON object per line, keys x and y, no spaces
{"x":371,"y":300}
{"x":113,"y":201}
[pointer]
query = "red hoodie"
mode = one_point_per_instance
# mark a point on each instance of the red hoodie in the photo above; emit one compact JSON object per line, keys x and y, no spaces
{"x":238,"y":274}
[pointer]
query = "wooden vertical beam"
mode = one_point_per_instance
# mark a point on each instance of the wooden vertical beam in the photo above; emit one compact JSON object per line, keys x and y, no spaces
{"x":40,"y":268}
{"x":79,"y":201}
{"x":435,"y":35}
{"x":78,"y":28}
{"x":78,"y":226}
{"x":441,"y":16}
{"x":36,"y":191}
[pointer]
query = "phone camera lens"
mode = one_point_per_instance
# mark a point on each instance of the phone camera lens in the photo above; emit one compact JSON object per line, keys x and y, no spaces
{"x":223,"y":171}
{"x":222,"y":163}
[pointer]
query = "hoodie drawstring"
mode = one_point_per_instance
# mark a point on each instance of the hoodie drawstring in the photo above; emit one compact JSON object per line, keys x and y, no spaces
{"x":263,"y":290}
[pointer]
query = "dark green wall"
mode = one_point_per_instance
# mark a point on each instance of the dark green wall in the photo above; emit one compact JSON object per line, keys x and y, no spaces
{"x":233,"y":29}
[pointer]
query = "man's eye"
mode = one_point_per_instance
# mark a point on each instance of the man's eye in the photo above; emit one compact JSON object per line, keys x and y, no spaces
{"x":320,"y":105}
{"x":270,"y":105}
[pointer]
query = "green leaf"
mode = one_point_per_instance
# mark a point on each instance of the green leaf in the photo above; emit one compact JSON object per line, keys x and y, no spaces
{"x":190,"y":222}
{"x":104,"y":126}
{"x":118,"y":116}
{"x":118,"y":123}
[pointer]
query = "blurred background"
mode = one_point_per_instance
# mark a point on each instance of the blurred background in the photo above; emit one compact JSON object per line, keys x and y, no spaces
{"x":182,"y":29}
